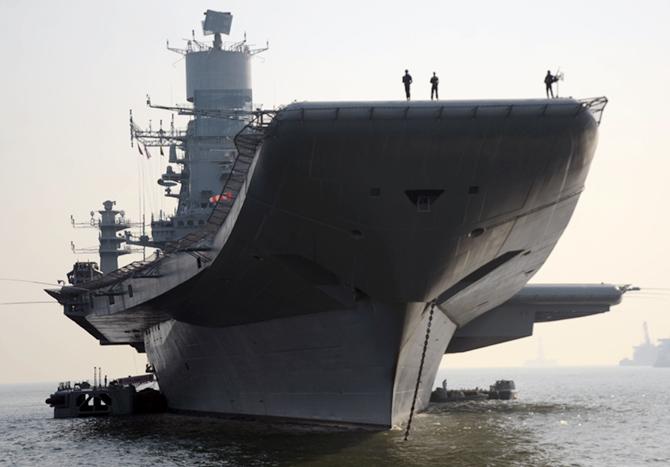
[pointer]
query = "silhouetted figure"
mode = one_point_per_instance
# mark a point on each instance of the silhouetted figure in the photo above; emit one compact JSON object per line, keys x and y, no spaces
{"x":549,"y":80}
{"x":434,"y":81}
{"x":407,"y":81}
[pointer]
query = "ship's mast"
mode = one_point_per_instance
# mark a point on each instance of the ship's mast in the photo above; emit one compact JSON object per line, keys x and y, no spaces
{"x":109,"y":242}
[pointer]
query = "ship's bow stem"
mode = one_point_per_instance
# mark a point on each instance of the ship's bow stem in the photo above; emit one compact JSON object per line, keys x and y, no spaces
{"x":357,"y":366}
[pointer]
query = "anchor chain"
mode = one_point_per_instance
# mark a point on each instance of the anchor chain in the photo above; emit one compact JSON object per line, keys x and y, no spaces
{"x":418,"y":376}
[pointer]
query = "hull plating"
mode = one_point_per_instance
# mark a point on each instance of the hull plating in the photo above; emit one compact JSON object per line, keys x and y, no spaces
{"x":355,"y":366}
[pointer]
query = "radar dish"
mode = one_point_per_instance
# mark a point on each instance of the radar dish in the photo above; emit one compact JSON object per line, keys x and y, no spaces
{"x":217,"y":22}
{"x":168,"y":183}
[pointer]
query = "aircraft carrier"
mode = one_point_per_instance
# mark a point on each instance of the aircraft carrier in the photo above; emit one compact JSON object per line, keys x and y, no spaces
{"x":324,"y":256}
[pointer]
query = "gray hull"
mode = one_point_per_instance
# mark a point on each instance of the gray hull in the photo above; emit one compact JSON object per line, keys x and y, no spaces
{"x":352,"y":366}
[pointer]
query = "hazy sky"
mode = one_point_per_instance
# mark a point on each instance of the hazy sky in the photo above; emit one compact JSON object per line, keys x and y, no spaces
{"x":72,"y":69}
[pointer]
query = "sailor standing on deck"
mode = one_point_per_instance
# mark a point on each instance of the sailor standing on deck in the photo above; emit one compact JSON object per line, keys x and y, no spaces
{"x":434,"y":81}
{"x":549,"y":80}
{"x":407,"y":81}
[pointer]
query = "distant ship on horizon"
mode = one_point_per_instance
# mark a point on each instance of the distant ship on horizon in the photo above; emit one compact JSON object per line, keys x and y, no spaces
{"x":649,"y":354}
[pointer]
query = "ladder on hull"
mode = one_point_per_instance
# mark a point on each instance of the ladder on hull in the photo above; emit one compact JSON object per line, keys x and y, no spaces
{"x":247,"y":142}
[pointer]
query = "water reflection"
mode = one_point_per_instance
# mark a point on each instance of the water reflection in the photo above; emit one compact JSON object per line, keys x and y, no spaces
{"x":467,"y":434}
{"x":594,"y":417}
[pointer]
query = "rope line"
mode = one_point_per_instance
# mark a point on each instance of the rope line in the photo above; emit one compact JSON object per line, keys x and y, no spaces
{"x":29,"y":303}
{"x":28,"y":281}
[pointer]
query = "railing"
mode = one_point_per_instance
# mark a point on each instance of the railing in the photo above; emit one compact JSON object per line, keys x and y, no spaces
{"x":445,"y":111}
{"x":596,"y":105}
{"x":123,"y":273}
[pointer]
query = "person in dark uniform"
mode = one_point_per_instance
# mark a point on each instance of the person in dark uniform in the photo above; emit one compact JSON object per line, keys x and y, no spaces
{"x":407,"y":81}
{"x":549,"y":80}
{"x":434,"y":81}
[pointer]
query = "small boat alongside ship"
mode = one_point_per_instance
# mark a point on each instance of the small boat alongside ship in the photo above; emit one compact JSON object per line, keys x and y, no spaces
{"x":503,"y":389}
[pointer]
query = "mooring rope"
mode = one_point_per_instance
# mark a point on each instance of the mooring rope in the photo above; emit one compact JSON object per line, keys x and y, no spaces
{"x":418,"y":376}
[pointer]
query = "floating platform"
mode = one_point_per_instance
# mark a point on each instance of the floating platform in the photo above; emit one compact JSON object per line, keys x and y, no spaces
{"x":120,"y":397}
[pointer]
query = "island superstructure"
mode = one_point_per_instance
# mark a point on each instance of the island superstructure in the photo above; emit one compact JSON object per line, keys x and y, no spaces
{"x":339,"y":249}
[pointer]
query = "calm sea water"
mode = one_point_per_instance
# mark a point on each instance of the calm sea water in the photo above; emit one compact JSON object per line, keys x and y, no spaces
{"x":563,"y":417}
